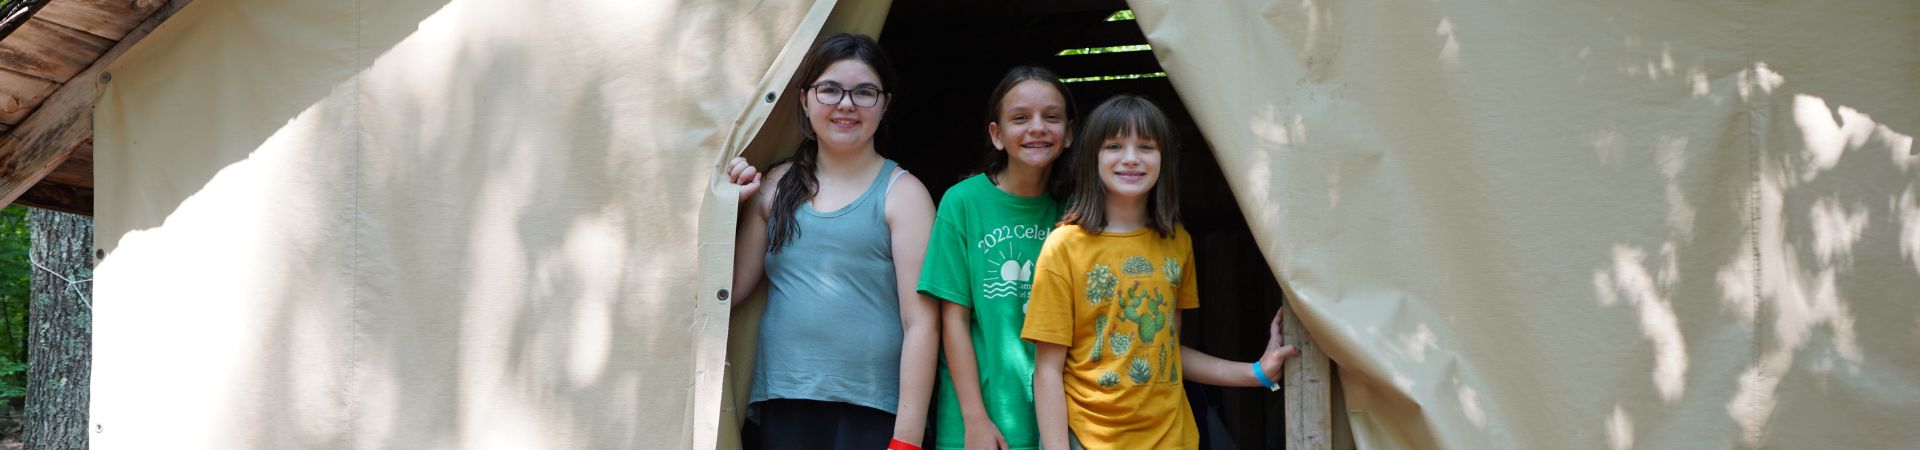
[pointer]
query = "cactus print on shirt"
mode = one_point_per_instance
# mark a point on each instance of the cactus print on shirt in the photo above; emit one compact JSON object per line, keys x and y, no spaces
{"x":1111,"y":298}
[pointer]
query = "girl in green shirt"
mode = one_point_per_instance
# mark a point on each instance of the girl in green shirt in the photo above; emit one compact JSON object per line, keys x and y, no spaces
{"x":980,"y":261}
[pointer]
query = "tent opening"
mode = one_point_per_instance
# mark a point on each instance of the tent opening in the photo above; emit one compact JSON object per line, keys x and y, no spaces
{"x":951,"y":54}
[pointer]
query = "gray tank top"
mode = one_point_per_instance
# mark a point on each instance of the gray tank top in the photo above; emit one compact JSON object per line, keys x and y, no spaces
{"x":831,"y":331}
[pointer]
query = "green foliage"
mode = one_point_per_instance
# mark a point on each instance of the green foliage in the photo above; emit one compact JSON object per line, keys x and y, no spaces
{"x":16,"y":278}
{"x":15,"y":374}
{"x":1107,"y":49}
{"x":1131,"y":76}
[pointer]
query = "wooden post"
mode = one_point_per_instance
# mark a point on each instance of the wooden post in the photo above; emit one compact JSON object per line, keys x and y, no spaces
{"x":1308,"y":395}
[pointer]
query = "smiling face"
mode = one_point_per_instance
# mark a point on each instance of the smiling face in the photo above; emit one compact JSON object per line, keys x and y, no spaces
{"x":1032,"y":125}
{"x":844,"y":125}
{"x":1129,"y":166}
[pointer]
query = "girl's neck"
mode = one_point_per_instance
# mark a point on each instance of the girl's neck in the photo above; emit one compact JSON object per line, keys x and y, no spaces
{"x":841,"y":163}
{"x":1022,"y":180}
{"x":1126,"y":214}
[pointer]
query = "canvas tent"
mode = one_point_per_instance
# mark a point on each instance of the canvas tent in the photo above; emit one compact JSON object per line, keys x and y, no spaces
{"x":433,"y":224}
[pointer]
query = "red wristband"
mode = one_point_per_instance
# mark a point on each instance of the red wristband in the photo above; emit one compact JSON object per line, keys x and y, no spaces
{"x":899,"y":445}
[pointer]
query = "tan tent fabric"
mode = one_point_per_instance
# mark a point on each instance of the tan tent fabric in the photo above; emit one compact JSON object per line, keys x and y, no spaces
{"x":424,"y":223}
{"x":1581,"y":224}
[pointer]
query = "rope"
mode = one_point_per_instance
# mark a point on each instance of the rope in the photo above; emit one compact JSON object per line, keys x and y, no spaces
{"x":71,"y":283}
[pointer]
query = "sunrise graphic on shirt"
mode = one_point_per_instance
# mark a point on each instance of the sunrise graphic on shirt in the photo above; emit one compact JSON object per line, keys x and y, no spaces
{"x":1012,"y":280}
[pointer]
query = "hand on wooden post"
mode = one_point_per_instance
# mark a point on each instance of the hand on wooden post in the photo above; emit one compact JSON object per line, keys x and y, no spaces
{"x":1277,"y":349}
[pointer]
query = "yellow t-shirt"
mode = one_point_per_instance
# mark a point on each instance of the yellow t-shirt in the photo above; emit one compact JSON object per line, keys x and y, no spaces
{"x":1110,"y":299}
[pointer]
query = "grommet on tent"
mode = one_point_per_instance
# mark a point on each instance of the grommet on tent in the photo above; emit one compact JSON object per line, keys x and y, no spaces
{"x":722,"y":295}
{"x":106,"y":77}
{"x":769,"y":96}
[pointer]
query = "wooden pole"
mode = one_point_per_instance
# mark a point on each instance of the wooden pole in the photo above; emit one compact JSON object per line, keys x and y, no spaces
{"x":1308,"y":394}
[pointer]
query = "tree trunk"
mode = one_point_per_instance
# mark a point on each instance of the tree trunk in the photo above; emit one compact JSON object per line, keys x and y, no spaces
{"x":60,"y":330}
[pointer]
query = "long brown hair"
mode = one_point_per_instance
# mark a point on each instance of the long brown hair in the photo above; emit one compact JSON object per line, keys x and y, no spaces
{"x":1119,"y":116}
{"x":799,"y":183}
{"x":1059,"y":179}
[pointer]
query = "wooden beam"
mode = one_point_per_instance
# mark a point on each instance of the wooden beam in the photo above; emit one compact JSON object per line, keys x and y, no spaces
{"x":65,"y":121}
{"x":51,"y":51}
{"x":69,"y":188}
{"x":21,"y":95}
{"x":110,"y":19}
{"x":58,"y":197}
{"x":77,"y":171}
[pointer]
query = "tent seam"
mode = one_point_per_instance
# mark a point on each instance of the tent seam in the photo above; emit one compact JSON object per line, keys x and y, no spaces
{"x":1754,"y":155}
{"x":353,"y":249}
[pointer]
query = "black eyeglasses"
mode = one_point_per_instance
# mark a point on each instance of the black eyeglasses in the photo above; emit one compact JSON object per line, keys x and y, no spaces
{"x":833,"y":94}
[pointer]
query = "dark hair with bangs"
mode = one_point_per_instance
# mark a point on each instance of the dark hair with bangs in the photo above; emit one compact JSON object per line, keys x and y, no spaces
{"x":799,"y":183}
{"x":1120,"y":116}
{"x":1059,"y":180}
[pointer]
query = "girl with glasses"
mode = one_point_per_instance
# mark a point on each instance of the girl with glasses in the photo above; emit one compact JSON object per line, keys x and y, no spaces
{"x":846,"y":351}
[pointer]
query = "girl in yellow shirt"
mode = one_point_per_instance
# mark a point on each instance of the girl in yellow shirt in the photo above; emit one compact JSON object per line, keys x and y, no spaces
{"x":1107,"y":289}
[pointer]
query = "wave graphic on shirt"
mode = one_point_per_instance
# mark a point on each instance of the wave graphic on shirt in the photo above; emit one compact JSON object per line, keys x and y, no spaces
{"x":1002,"y":289}
{"x":1014,"y":279}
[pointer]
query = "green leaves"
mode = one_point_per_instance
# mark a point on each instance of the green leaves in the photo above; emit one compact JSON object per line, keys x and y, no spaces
{"x":16,"y":284}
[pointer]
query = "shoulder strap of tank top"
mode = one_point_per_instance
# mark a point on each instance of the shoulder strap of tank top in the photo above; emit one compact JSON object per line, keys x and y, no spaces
{"x":881,"y":182}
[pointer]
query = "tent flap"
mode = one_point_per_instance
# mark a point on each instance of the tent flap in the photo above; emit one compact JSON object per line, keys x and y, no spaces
{"x":1519,"y":225}
{"x":424,"y":223}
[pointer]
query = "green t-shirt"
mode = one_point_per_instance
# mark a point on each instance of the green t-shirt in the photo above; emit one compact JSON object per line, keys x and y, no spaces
{"x":980,"y":256}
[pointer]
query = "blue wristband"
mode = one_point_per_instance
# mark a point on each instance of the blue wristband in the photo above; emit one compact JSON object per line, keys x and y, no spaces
{"x":1262,"y":375}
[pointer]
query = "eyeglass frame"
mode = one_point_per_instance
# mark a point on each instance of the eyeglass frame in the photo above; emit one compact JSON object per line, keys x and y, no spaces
{"x":846,"y":94}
